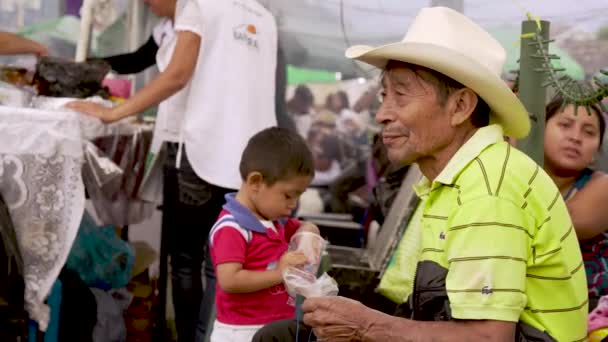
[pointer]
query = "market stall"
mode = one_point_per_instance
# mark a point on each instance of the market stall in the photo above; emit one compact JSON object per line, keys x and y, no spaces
{"x":49,"y":158}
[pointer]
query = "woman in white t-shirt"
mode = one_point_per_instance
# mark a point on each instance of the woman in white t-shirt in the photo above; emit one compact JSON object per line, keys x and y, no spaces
{"x":175,"y":53}
{"x":224,"y":57}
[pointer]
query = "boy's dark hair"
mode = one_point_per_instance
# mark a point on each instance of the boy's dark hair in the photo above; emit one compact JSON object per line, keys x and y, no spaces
{"x":277,"y":154}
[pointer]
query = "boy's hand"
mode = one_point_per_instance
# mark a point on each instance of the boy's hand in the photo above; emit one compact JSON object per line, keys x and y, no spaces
{"x":310,"y":245}
{"x":291,"y":259}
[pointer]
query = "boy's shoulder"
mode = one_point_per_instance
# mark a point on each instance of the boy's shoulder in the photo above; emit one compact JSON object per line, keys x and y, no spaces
{"x":226,"y":221}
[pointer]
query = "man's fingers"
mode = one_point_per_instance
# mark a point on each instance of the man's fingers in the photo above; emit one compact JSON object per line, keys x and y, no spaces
{"x":318,"y":303}
{"x":310,"y":304}
{"x":313,"y":319}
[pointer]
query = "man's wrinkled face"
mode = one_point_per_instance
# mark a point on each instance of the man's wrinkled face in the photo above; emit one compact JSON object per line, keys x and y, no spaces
{"x":415,"y":123}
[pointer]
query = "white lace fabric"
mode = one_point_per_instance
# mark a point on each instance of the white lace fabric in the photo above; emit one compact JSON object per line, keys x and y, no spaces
{"x":41,"y":158}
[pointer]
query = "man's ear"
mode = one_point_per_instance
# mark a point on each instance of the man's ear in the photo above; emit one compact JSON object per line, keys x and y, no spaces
{"x":463,"y":103}
{"x":254,"y":180}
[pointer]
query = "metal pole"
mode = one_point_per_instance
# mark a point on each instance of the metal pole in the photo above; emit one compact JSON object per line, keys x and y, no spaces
{"x":531,"y":91}
{"x":84,"y":38}
{"x":457,"y":5}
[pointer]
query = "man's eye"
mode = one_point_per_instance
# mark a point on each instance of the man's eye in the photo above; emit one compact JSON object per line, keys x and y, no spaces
{"x":381,"y":96}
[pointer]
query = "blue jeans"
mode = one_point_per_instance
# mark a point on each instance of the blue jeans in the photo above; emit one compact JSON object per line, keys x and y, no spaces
{"x":190,"y":208}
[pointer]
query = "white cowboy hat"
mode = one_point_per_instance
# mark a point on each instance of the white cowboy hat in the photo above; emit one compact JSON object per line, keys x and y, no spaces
{"x":444,"y":40}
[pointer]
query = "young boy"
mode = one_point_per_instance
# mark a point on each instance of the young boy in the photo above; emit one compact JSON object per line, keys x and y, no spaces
{"x":250,"y":238}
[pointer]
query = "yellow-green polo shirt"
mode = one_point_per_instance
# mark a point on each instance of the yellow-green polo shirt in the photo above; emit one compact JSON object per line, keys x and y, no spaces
{"x":496,"y":221}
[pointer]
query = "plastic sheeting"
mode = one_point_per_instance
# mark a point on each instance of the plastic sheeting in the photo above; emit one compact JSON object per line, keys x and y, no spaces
{"x":316,"y":33}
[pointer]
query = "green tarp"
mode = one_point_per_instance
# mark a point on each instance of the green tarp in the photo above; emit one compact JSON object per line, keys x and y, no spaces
{"x":296,"y":75}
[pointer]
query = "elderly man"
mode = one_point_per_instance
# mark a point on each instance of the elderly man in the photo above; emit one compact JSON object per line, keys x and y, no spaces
{"x":499,"y":260}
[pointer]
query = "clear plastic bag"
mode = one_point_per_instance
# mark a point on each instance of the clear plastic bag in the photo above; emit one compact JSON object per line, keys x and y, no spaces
{"x":298,"y":282}
{"x":302,"y":280}
{"x":312,"y":246}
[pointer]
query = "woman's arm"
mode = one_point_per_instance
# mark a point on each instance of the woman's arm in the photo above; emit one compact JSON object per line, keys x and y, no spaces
{"x":134,"y":62}
{"x":586,"y":207}
{"x":171,"y":80}
{"x":12,"y":44}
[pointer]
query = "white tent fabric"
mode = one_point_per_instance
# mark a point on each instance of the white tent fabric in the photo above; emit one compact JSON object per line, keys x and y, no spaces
{"x":315,"y":33}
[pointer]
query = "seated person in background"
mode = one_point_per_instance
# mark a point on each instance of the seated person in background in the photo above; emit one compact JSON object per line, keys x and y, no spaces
{"x":12,"y":44}
{"x":387,"y":181}
{"x":336,"y":103}
{"x":572,"y":141}
{"x":300,"y":107}
{"x":326,"y":149}
{"x":250,"y":238}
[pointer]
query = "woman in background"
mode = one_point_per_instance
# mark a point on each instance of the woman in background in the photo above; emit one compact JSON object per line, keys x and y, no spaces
{"x":572,"y":140}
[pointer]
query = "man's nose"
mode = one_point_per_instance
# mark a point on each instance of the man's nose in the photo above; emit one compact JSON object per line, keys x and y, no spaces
{"x":383,"y":116}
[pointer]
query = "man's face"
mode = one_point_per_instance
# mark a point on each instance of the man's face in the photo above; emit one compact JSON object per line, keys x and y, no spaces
{"x":416,"y":125}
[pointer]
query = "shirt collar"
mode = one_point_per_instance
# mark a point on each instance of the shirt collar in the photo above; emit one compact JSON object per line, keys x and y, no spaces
{"x":242,"y":215}
{"x":483,"y":137}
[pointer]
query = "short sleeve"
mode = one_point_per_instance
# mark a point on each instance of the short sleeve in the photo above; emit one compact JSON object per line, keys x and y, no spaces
{"x":228,"y":245}
{"x":161,"y":29}
{"x":487,"y":246}
{"x":188,"y":16}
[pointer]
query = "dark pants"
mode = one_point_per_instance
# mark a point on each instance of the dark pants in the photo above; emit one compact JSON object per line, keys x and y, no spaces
{"x":190,"y":208}
{"x":284,"y":331}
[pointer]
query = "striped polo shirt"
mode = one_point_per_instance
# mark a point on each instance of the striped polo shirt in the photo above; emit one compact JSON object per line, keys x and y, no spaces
{"x":496,"y":221}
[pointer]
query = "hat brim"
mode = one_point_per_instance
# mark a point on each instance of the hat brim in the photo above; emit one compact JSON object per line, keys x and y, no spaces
{"x":506,"y":108}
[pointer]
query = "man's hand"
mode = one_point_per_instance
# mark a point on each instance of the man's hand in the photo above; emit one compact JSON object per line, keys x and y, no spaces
{"x":291,"y":259}
{"x":106,"y":114}
{"x":337,"y":319}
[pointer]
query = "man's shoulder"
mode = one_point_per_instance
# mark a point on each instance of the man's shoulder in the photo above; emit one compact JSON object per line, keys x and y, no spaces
{"x":498,"y":166}
{"x":504,"y":171}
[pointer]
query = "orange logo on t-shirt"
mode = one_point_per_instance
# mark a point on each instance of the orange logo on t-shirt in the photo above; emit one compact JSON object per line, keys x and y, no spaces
{"x":246,"y":33}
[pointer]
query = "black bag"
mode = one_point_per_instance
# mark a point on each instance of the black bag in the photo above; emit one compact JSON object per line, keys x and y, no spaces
{"x":57,"y":77}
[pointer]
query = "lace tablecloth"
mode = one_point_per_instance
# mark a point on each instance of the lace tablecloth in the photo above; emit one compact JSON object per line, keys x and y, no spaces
{"x":41,"y":163}
{"x":41,"y":158}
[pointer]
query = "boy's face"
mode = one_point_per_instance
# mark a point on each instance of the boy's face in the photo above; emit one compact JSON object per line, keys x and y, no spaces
{"x":281,"y":198}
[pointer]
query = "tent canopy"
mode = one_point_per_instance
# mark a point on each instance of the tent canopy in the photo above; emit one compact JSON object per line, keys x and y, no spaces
{"x":316,"y":33}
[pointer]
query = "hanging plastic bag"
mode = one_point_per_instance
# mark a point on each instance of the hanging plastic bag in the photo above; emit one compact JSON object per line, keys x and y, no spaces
{"x":100,"y":257}
{"x":124,"y":207}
